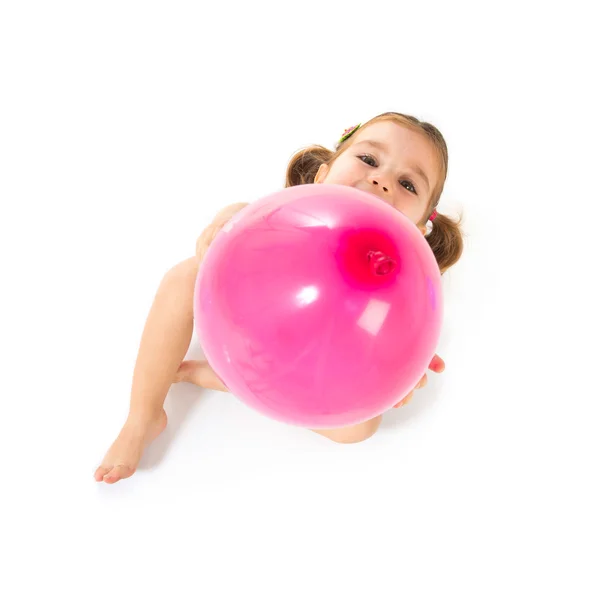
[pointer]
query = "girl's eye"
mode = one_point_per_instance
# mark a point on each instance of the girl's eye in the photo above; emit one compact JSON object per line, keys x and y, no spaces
{"x":365,"y":158}
{"x":412,"y":187}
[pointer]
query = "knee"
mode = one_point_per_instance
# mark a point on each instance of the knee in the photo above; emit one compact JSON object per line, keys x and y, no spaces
{"x":354,"y":433}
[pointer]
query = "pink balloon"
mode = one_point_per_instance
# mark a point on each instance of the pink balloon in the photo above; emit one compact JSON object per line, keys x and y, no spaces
{"x":319,"y":305}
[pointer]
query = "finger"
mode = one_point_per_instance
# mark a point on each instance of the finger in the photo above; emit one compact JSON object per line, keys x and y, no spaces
{"x":422,"y":383}
{"x":437,"y":365}
{"x":404,"y":401}
{"x":408,"y":399}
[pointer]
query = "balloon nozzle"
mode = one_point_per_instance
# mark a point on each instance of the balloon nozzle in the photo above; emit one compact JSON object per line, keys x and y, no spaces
{"x":381,"y":264}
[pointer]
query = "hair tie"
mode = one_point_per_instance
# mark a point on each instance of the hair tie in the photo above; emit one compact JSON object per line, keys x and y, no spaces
{"x":433,"y":215}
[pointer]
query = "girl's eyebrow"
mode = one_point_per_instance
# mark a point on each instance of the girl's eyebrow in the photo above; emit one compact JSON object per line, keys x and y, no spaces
{"x":415,"y":168}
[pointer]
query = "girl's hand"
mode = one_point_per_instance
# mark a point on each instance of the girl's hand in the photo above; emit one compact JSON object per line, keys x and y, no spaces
{"x":436,"y":365}
{"x":208,"y":235}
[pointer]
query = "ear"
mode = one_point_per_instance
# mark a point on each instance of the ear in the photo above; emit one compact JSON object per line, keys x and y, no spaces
{"x":321,"y":173}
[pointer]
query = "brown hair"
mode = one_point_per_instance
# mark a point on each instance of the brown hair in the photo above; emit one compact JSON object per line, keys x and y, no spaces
{"x":446,"y":237}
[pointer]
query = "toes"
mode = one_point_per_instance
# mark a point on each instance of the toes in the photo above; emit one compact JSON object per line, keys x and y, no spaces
{"x":101,"y":472}
{"x":118,"y":472}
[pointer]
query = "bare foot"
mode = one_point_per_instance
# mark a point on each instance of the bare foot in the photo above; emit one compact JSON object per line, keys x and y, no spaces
{"x":123,"y":457}
{"x":200,"y":373}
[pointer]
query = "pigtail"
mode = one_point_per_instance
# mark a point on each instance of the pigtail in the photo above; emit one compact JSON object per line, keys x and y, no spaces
{"x":304,"y":165}
{"x":446,"y":241}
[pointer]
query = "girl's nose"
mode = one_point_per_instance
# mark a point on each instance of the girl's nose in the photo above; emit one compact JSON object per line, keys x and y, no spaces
{"x":377,"y":184}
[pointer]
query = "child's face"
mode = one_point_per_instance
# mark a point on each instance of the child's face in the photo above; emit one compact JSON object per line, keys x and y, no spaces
{"x":393,"y":162}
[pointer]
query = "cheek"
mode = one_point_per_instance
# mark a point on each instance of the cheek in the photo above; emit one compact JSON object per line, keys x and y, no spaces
{"x":409,"y":210}
{"x":346,"y":172}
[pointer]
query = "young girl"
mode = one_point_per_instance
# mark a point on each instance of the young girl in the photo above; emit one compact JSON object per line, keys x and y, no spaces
{"x":396,"y":157}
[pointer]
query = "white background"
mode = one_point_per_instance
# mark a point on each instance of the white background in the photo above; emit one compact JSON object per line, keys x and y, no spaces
{"x":124,"y":126}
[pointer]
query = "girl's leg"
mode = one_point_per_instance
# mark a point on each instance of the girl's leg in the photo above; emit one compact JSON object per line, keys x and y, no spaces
{"x":165,"y":341}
